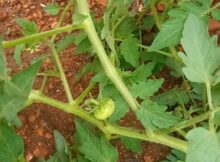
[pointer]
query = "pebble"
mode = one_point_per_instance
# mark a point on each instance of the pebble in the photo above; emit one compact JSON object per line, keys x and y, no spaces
{"x":40,"y":132}
{"x":32,"y":119}
{"x":48,"y":136}
{"x":3,"y":15}
{"x":40,"y":152}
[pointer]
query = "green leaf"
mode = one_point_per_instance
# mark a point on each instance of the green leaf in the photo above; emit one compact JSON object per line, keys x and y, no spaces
{"x":202,"y":54}
{"x":121,"y":106}
{"x":3,"y":72}
{"x":203,"y":146}
{"x":52,"y":8}
{"x":78,"y":19}
{"x":125,"y":28}
{"x":154,"y":116}
{"x":170,"y":33}
{"x":130,"y":51}
{"x":142,"y":72}
{"x":28,"y":27}
{"x":11,"y":145}
{"x":64,"y":43}
{"x":146,"y":88}
{"x":172,"y":97}
{"x":62,"y":153}
{"x":10,"y":105}
{"x":82,"y":43}
{"x":17,"y":53}
{"x":216,"y":95}
{"x":94,"y":148}
{"x":106,"y":33}
{"x":197,"y":7}
{"x":216,"y":14}
{"x":175,"y":156}
{"x":132,"y":144}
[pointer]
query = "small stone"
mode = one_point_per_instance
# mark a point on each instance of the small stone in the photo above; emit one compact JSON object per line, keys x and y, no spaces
{"x":40,"y":152}
{"x":3,"y":15}
{"x":32,"y":118}
{"x":48,"y":136}
{"x":40,"y":132}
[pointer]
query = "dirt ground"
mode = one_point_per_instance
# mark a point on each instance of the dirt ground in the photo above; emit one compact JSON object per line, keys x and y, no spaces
{"x":39,"y":120}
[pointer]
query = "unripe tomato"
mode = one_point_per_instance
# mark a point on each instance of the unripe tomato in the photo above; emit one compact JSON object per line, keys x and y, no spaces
{"x":105,"y":109}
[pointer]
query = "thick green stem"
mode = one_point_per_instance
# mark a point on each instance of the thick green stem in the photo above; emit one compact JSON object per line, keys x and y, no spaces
{"x":62,"y":74}
{"x":39,"y":36}
{"x":109,"y":129}
{"x":106,"y":63}
{"x":211,"y":107}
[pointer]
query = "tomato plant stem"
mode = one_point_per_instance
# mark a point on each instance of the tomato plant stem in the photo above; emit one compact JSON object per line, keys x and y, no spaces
{"x":109,"y":68}
{"x":109,"y":129}
{"x":84,"y":93}
{"x":190,"y":122}
{"x":62,"y":74}
{"x":39,"y":36}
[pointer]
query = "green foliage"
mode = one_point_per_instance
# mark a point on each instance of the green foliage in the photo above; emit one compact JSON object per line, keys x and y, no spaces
{"x":62,"y":153}
{"x":64,"y":43}
{"x":11,"y":104}
{"x":94,"y":148}
{"x":172,"y":97}
{"x":216,"y":14}
{"x":154,"y":116}
{"x":11,"y":145}
{"x":198,"y":44}
{"x":52,"y":8}
{"x":147,"y":88}
{"x":171,"y":31}
{"x":175,"y":156}
{"x":17,"y":53}
{"x":78,"y":19}
{"x":28,"y":27}
{"x":130,"y":65}
{"x":82,"y":43}
{"x":121,"y":107}
{"x":129,"y":50}
{"x":3,"y":72}
{"x":132,"y":144}
{"x":203,"y":146}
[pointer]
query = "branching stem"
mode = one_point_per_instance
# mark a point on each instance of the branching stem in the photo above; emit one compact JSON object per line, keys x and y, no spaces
{"x":109,"y":68}
{"x":109,"y":129}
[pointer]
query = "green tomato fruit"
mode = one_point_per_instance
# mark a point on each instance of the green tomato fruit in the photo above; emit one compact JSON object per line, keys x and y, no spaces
{"x":105,"y":109}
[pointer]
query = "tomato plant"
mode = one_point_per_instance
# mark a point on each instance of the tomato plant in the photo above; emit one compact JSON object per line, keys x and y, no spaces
{"x":126,"y":66}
